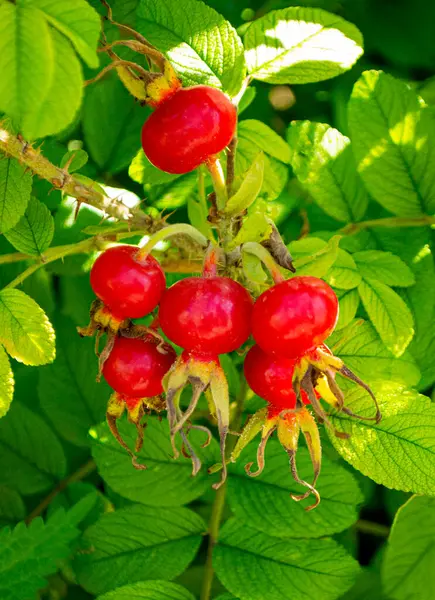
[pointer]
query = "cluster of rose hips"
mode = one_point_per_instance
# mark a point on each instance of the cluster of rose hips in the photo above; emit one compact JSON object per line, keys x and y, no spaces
{"x":207,"y":316}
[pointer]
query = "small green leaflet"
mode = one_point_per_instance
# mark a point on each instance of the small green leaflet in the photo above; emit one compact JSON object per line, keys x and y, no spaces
{"x":301,"y":45}
{"x":166,"y":482}
{"x":74,"y":159}
{"x":138,"y":543}
{"x":77,"y":20}
{"x":29,"y":554}
{"x":25,"y":330}
{"x":72,"y":377}
{"x":42,"y":84}
{"x":6,"y":383}
{"x":249,"y":188}
{"x":31,"y":457}
{"x":388,"y":313}
{"x":363,"y":351}
{"x":393,"y":139}
{"x":63,"y":97}
{"x":255,"y":566}
{"x":112,"y":121}
{"x":313,"y":256}
{"x":176,"y":193}
{"x":398,"y":452}
{"x":409,"y":563}
{"x":34,"y":231}
{"x":322,"y":160}
{"x":149,"y":590}
{"x":142,"y":171}
{"x":12,"y":507}
{"x":265,"y":503}
{"x":344,"y":273}
{"x":15,"y":189}
{"x":349,"y":302}
{"x":255,"y":137}
{"x":202,"y":46}
{"x":385,"y":267}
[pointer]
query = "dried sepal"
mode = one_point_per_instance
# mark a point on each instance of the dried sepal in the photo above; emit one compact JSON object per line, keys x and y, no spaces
{"x":115,"y":409}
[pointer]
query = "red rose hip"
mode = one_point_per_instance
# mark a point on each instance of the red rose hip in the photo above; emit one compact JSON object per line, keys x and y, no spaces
{"x":135,"y":367}
{"x":294,"y":316}
{"x":271,"y":378}
{"x":128,"y":287}
{"x":208,"y":315}
{"x":189,"y":127}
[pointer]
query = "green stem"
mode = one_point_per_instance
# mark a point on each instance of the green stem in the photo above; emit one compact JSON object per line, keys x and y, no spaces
{"x":372,"y":528}
{"x":266,"y":258}
{"x":217,"y":176}
{"x":163,"y":234}
{"x":81,"y":473}
{"x":389,"y":222}
{"x":220,"y":498}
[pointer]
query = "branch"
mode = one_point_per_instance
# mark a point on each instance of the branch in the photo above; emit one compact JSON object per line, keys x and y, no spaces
{"x":388,"y":222}
{"x":15,"y":146}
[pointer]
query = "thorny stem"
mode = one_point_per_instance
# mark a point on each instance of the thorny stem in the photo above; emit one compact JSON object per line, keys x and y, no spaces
{"x":15,"y":146}
{"x":352,"y":228}
{"x":218,"y":178}
{"x":219,"y":501}
{"x":81,"y":473}
{"x":266,"y":258}
{"x":231,"y":164}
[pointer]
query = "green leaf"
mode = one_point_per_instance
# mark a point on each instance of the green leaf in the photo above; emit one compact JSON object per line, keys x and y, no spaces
{"x":266,"y":505}
{"x":142,"y":171}
{"x":138,"y":543}
{"x":76,"y":20}
{"x":25,"y":330}
{"x":72,"y":377}
{"x":313,"y":256}
{"x":26,"y":59}
{"x":256,"y":227}
{"x":301,"y":45}
{"x":253,"y":268}
{"x":31,"y":458}
{"x":202,"y":46}
{"x":349,"y":302}
{"x":149,"y":590}
{"x":388,"y":313}
{"x":363,"y":351}
{"x":344,"y":273}
{"x":385,"y":267}
{"x":407,"y":570}
{"x":6,"y":383}
{"x":15,"y":189}
{"x":34,"y":232}
{"x":177,"y":192}
{"x":393,"y":141}
{"x":198,"y":213}
{"x":166,"y":482}
{"x":398,"y":452}
{"x":112,"y":122}
{"x":76,"y":159}
{"x":29,"y":554}
{"x":64,"y":95}
{"x":249,"y":188}
{"x":12,"y":507}
{"x":283,"y":569}
{"x":255,"y":137}
{"x":322,"y":160}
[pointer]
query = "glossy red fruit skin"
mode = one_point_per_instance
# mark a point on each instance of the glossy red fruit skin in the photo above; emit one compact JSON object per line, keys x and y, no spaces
{"x":130,"y":289}
{"x":135,"y":367}
{"x":189,"y":127}
{"x":207,"y":315}
{"x":271,"y":378}
{"x":294,"y":316}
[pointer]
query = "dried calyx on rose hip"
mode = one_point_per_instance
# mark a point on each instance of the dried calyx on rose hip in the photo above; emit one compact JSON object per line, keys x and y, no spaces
{"x":206,"y":316}
{"x":188,"y":129}
{"x":134,"y":369}
{"x":127,"y":287}
{"x":271,"y":378}
{"x":292,"y":320}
